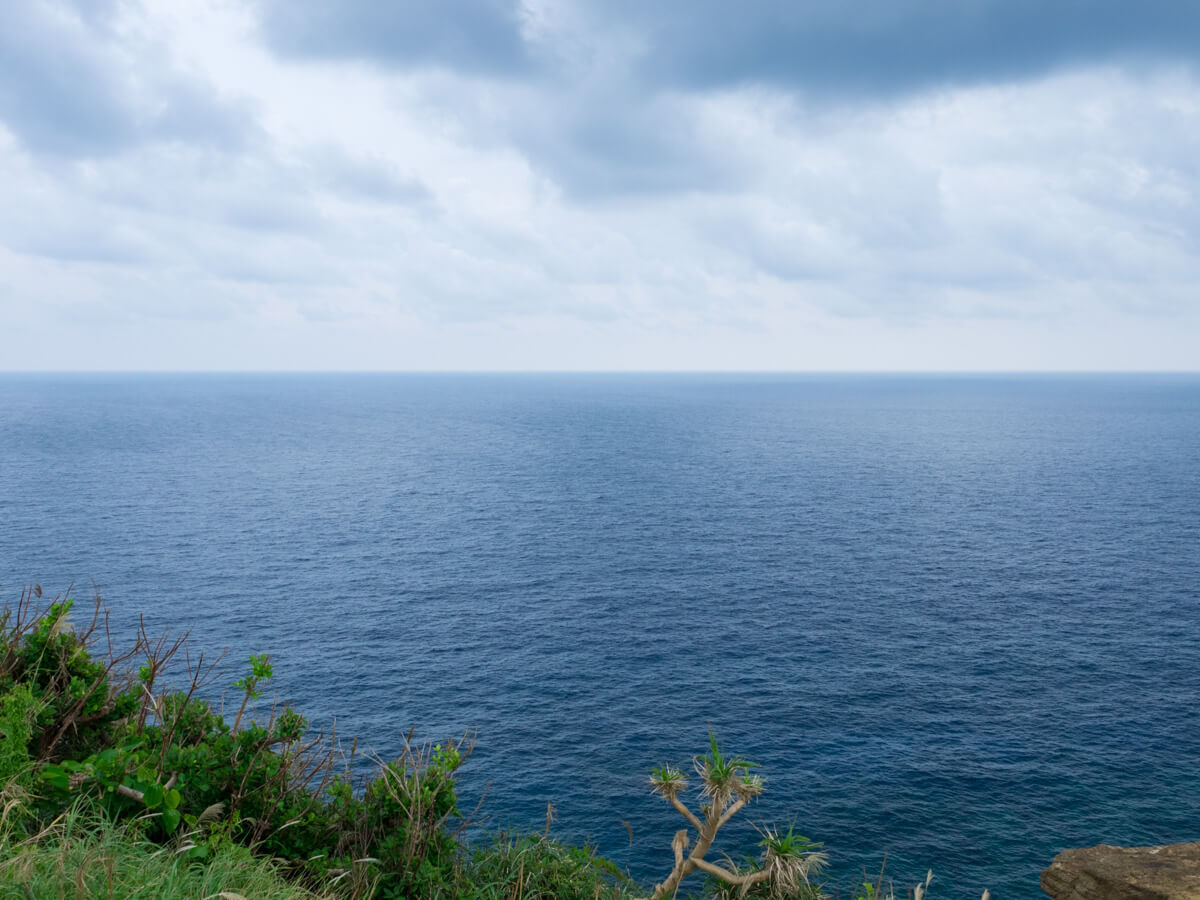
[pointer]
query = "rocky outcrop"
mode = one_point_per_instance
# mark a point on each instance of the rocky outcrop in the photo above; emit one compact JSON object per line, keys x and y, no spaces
{"x":1170,"y":872}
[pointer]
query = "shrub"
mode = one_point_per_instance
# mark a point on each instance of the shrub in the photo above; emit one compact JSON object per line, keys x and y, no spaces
{"x":166,"y":762}
{"x":77,"y":697}
{"x":98,"y":730}
{"x":537,"y":867}
{"x":394,"y":835}
{"x":18,"y":712}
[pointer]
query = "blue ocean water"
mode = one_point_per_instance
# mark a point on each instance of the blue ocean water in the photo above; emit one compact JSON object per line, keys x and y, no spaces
{"x":954,"y":618}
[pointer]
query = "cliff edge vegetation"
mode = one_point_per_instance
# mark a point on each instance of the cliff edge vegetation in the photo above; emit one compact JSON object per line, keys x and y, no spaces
{"x":119,"y":778}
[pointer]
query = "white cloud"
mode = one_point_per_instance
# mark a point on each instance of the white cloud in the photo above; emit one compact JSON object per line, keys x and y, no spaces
{"x":376,"y":216}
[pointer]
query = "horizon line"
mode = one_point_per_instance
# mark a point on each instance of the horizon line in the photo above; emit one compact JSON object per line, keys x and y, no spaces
{"x":900,"y":372}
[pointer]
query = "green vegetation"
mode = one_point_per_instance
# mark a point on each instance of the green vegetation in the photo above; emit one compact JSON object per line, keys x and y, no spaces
{"x":113,"y":784}
{"x":85,"y":854}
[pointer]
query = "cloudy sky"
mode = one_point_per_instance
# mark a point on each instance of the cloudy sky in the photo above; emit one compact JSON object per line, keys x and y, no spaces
{"x":600,"y":184}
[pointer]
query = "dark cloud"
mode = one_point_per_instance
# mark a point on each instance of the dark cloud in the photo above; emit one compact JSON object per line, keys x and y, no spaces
{"x":58,"y":93}
{"x":69,"y":88}
{"x":825,"y":47}
{"x":600,"y":88}
{"x":469,"y":35}
{"x":886,"y":48}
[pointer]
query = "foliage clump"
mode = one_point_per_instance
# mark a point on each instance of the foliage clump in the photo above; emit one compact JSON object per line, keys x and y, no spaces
{"x":111,"y":767}
{"x":88,"y":727}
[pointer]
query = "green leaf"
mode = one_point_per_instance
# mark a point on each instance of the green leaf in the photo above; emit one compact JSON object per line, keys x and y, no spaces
{"x":105,"y":757}
{"x":170,"y":819}
{"x":153,"y":796}
{"x":171,"y":799}
{"x":56,"y":777}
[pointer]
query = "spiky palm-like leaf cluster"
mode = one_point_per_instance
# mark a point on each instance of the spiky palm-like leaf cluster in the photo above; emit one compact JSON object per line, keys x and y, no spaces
{"x":668,"y":781}
{"x":727,"y":784}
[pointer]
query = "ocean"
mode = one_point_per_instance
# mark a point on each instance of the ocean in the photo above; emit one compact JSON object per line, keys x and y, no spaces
{"x":956,"y":619}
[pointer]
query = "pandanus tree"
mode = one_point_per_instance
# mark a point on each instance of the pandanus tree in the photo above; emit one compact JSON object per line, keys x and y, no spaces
{"x":726,"y":786}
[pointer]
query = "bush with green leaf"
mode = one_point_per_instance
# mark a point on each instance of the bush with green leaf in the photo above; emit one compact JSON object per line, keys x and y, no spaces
{"x":163,"y":758}
{"x":78,"y":697}
{"x":18,"y":712}
{"x":537,"y":867}
{"x":100,"y":728}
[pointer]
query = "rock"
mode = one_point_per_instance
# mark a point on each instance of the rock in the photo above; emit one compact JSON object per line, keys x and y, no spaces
{"x":1170,"y":872}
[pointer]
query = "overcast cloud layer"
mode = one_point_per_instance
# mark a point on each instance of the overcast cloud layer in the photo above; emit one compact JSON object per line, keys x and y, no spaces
{"x":600,"y":184}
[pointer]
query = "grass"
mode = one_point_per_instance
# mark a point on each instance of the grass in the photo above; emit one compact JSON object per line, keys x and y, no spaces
{"x":537,"y":867}
{"x":83,"y":855}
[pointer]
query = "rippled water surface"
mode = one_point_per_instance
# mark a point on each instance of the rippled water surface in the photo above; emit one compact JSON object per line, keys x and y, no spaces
{"x":955,"y":618}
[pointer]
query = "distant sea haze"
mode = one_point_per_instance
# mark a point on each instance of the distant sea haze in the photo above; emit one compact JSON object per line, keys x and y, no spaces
{"x":955,"y":618}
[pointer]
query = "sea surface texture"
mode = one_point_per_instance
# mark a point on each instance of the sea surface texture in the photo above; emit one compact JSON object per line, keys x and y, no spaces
{"x":956,"y":619}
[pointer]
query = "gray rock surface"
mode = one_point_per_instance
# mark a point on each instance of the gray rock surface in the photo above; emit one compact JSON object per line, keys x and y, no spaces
{"x":1169,"y":872}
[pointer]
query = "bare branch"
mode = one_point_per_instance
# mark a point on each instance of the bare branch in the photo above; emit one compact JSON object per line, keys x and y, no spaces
{"x":731,"y":811}
{"x":687,"y":813}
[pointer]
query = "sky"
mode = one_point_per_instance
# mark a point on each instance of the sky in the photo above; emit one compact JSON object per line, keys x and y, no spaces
{"x":768,"y":185}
